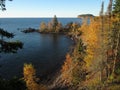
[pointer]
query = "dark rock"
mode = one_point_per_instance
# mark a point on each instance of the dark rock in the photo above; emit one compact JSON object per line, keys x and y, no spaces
{"x":29,"y":30}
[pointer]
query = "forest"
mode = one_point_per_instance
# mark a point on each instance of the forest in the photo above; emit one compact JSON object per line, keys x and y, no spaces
{"x":93,"y":63}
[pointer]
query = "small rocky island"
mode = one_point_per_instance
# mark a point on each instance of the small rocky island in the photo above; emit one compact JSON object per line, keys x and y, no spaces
{"x":85,"y":16}
{"x":29,"y":30}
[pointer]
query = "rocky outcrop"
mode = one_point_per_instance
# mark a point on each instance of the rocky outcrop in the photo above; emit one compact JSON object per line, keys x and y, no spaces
{"x":29,"y":30}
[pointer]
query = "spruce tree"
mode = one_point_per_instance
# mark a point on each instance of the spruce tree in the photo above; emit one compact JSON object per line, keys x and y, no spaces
{"x":55,"y":23}
{"x":116,"y":6}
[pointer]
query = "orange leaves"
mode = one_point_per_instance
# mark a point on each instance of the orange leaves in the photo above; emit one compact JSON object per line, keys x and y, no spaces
{"x":74,"y":70}
{"x":67,"y":69}
{"x":28,"y":72}
{"x":67,"y":63}
{"x":30,"y":78}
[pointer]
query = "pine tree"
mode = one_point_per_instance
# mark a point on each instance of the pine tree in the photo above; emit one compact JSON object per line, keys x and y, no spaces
{"x":6,"y":46}
{"x":116,"y":7}
{"x":54,"y":23}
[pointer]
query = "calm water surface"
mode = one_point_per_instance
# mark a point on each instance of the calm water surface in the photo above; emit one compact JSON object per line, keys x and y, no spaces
{"x":45,"y":51}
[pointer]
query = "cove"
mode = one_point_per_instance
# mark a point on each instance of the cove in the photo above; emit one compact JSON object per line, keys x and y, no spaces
{"x":45,"y":51}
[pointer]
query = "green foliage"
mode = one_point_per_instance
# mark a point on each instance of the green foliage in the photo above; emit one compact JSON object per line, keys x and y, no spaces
{"x":52,"y":27}
{"x":74,"y":68}
{"x":68,"y":27}
{"x":79,"y":73}
{"x":59,"y":27}
{"x":55,"y":23}
{"x":96,"y":36}
{"x":116,"y":6}
{"x":6,"y":34}
{"x":81,"y":47}
{"x":9,"y":47}
{"x":29,"y":30}
{"x":117,"y":68}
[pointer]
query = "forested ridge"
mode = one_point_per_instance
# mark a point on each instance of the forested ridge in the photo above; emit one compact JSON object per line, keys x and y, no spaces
{"x":95,"y":61}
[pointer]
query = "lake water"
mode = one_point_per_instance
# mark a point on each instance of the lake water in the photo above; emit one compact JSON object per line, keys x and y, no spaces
{"x":45,"y":51}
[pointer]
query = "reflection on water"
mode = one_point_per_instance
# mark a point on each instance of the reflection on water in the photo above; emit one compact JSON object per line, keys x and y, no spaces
{"x":45,"y":51}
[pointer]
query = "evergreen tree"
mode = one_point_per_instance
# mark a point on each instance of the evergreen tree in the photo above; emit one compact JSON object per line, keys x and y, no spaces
{"x":116,"y":38}
{"x":55,"y":23}
{"x":116,"y":7}
{"x":6,"y":46}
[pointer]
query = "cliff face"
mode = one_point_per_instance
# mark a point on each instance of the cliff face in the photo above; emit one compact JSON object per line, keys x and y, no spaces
{"x":85,"y":16}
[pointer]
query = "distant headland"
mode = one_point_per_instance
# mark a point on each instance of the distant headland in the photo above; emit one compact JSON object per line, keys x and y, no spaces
{"x":85,"y":15}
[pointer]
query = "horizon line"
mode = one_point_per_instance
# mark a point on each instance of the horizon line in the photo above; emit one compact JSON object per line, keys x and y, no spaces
{"x":38,"y":17}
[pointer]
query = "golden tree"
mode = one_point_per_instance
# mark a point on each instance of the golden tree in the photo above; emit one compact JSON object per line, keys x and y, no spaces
{"x":67,"y":69}
{"x":43,"y":27}
{"x":30,"y":78}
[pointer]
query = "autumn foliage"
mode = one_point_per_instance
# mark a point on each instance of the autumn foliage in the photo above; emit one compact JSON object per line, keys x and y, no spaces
{"x":67,"y":69}
{"x":30,"y":78}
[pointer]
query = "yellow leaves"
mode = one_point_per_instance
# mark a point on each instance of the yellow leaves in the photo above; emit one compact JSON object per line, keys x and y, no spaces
{"x":28,"y":70}
{"x":91,"y":38}
{"x":30,"y":78}
{"x":89,"y":58}
{"x":74,"y":70}
{"x":58,"y":27}
{"x":43,"y":26}
{"x":67,"y":63}
{"x":66,"y":69}
{"x":91,"y":35}
{"x":116,"y":18}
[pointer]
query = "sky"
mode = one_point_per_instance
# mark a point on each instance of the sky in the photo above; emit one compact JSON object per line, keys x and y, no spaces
{"x":49,"y":8}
